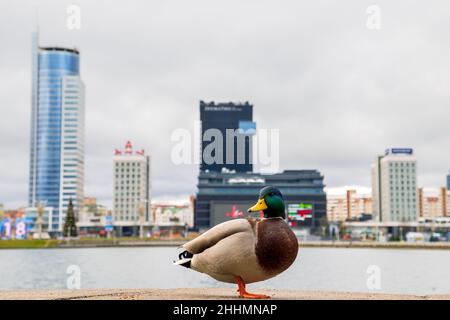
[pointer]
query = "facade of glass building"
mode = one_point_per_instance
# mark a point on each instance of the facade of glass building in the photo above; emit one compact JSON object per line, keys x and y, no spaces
{"x":56,"y":171}
{"x":225,"y":196}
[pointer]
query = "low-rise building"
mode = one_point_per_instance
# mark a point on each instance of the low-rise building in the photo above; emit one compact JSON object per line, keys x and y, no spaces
{"x":39,"y":218}
{"x":91,"y":211}
{"x":172,"y":215}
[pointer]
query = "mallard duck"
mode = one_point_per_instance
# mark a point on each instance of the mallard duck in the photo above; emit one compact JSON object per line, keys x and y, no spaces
{"x":246,"y":250}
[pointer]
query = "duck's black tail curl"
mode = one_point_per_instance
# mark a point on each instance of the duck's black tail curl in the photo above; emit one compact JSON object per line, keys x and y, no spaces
{"x":185,"y":254}
{"x":184,"y":259}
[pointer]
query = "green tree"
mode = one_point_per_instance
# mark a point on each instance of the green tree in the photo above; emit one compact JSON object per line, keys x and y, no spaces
{"x":70,"y":227}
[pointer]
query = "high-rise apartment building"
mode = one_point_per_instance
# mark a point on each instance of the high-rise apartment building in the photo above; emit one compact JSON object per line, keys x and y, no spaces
{"x":448,"y":182}
{"x":56,"y":172}
{"x":351,"y":204}
{"x":394,"y":186}
{"x":131,"y":186}
{"x":434,"y":202}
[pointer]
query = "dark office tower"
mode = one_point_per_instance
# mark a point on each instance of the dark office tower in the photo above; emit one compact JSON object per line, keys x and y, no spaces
{"x":226,"y":150}
{"x":448,"y":181}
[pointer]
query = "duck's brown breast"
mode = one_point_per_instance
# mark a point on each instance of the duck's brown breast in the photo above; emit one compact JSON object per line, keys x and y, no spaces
{"x":276,"y":246}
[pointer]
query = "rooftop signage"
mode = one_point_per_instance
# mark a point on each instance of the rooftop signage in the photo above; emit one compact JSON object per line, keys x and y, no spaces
{"x":128,"y":150}
{"x":399,"y":151}
{"x":223,"y":108}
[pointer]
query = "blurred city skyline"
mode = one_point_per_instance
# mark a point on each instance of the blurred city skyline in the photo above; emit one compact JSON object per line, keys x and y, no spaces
{"x":339,"y":99}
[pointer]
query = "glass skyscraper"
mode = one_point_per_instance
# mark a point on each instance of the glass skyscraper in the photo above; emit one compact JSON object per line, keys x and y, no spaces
{"x":57,"y":131}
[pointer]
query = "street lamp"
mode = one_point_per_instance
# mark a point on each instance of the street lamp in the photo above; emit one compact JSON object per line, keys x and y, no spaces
{"x":141,"y":217}
{"x":40,"y":214}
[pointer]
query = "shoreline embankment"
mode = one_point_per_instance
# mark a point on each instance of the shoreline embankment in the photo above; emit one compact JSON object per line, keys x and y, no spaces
{"x":109,"y":243}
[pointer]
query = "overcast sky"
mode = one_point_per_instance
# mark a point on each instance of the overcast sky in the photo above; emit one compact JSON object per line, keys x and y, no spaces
{"x":340,"y":93}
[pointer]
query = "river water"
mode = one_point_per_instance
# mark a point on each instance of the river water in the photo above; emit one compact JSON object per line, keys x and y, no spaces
{"x":408,"y":271}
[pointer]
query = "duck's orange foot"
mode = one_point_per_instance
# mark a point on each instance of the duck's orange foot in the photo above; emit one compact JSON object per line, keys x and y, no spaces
{"x":246,"y":295}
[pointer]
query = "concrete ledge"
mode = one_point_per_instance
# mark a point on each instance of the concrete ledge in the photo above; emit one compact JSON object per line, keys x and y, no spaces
{"x":200,"y":294}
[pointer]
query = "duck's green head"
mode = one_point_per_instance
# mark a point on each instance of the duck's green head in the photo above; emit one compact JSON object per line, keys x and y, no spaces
{"x":270,"y":202}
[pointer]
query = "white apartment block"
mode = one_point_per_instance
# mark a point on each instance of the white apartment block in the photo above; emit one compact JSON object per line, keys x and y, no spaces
{"x":394,"y":186}
{"x":131,"y":186}
{"x":351,"y":204}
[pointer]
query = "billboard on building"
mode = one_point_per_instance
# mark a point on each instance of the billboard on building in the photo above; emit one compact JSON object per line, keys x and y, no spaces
{"x":109,"y":226}
{"x":300,"y":213}
{"x":221,"y":212}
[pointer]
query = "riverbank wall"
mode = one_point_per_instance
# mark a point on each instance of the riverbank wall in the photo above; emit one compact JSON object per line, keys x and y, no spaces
{"x":102,"y":243}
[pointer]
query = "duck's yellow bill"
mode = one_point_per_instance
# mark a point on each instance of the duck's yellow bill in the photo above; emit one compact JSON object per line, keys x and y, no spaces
{"x":259,"y":206}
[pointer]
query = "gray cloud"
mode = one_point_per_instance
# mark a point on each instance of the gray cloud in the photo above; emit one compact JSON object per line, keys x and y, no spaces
{"x":339,"y":93}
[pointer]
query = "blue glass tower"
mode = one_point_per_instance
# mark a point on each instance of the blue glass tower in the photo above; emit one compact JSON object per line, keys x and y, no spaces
{"x":57,"y":131}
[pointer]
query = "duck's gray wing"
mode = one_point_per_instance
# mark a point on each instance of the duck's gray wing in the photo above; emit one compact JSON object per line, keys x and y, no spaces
{"x":217,"y":233}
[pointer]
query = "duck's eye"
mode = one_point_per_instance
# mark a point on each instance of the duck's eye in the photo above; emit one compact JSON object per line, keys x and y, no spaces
{"x":271,"y":194}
